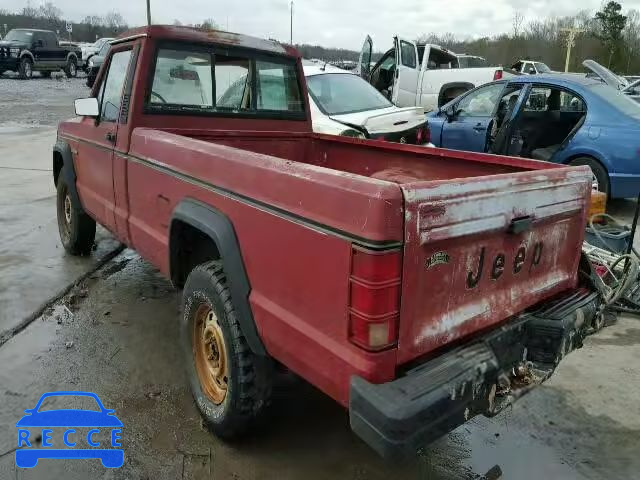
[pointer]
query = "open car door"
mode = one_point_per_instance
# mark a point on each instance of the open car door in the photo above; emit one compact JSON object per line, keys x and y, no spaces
{"x":364,"y":62}
{"x":405,"y":85}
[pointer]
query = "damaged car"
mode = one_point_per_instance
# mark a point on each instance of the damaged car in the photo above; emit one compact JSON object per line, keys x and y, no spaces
{"x":422,"y":74}
{"x":562,"y":118}
{"x":343,"y":104}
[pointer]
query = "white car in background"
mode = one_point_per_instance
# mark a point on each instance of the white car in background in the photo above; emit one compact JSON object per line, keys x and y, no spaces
{"x":91,"y":49}
{"x":342,"y":103}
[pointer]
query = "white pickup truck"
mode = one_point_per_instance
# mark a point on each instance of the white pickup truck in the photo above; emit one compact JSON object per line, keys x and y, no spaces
{"x":421,"y":75}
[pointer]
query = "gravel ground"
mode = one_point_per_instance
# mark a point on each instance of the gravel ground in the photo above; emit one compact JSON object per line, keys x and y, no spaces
{"x":38,"y":102}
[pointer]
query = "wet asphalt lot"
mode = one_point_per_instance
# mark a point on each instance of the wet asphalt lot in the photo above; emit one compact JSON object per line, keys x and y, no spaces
{"x":114,"y":334}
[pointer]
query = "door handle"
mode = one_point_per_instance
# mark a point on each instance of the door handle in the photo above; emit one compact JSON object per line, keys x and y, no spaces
{"x":111,"y":137}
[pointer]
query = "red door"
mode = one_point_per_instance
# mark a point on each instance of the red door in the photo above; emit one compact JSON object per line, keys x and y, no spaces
{"x":94,"y":163}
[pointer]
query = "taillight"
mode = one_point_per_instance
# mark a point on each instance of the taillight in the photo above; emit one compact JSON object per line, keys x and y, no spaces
{"x":426,"y":138}
{"x":374,"y":307}
{"x":497,"y":75}
{"x":419,"y":136}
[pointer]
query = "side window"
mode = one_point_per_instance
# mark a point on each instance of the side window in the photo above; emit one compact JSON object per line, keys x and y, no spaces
{"x":365,"y":56}
{"x":538,"y":100}
{"x":50,"y":39}
{"x":408,"y":54}
{"x":571,"y":103}
{"x":480,"y":103}
{"x":112,"y":93}
{"x":278,"y":87}
{"x":36,"y":38}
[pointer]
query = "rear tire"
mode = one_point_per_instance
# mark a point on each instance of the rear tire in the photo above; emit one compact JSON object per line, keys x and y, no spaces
{"x":231,"y":385}
{"x":600,"y":174}
{"x":71,"y":70}
{"x":25,"y":68}
{"x":77,"y":229}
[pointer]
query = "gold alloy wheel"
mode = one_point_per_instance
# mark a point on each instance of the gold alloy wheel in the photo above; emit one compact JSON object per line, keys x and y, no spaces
{"x":210,"y":354}
{"x":65,"y":219}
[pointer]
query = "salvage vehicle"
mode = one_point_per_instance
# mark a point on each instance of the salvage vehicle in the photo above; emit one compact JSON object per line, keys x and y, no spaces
{"x":95,"y":62}
{"x":344,"y":104}
{"x":561,"y":118}
{"x":417,"y":287}
{"x":423,"y":75}
{"x":88,"y":51}
{"x":629,"y":88}
{"x":28,"y":50}
{"x":530,"y":67}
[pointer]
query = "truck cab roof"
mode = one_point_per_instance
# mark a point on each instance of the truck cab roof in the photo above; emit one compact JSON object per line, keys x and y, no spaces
{"x":196,"y":35}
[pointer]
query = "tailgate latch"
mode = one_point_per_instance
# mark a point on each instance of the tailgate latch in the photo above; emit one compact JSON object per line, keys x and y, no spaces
{"x":520,"y":224}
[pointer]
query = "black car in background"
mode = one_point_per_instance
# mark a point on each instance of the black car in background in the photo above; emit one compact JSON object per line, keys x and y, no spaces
{"x":95,"y":62}
{"x":29,"y":50}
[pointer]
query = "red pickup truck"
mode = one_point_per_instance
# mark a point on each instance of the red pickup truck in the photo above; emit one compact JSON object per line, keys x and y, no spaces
{"x":417,"y":287}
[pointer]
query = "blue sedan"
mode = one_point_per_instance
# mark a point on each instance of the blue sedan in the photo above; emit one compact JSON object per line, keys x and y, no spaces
{"x":562,"y":118}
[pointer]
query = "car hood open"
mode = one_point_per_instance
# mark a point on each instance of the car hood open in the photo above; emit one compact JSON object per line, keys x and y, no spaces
{"x":606,"y":75}
{"x":384,"y":120}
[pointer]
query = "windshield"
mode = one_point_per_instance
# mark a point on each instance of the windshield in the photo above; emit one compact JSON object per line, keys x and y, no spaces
{"x":542,"y":67}
{"x":19,"y":36}
{"x":340,"y":93}
{"x":617,"y":99}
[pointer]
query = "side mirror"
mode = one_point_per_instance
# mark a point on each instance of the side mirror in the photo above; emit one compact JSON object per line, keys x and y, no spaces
{"x":87,"y":107}
{"x":532,"y":71}
{"x":450,"y":112}
{"x":38,"y":43}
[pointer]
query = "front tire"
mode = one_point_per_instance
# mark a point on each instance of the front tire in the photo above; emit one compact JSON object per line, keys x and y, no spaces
{"x":25,"y":68}
{"x":77,"y":229}
{"x":230,"y":384}
{"x":71,"y":70}
{"x":600,"y":175}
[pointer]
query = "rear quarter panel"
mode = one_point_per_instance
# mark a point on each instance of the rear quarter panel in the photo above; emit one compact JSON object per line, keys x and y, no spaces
{"x":298,"y":269}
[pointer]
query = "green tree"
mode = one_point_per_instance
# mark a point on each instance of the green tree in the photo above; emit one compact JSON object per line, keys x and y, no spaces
{"x":611,"y":23}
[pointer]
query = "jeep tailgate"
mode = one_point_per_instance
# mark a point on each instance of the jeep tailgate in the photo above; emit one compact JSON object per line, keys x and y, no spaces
{"x":478,"y":250}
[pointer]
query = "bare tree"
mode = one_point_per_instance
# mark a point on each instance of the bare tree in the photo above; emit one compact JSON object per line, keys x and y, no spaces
{"x":518,"y":20}
{"x":49,"y":11}
{"x":114,"y":20}
{"x":30,"y":10}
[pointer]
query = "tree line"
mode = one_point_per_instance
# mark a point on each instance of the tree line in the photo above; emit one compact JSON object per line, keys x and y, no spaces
{"x":607,"y":36}
{"x":49,"y":17}
{"x":611,"y":36}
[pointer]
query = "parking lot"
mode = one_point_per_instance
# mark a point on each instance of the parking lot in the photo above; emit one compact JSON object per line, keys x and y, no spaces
{"x":114,"y":333}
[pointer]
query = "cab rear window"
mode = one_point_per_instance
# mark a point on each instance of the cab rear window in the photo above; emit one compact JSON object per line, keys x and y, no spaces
{"x":201,"y":81}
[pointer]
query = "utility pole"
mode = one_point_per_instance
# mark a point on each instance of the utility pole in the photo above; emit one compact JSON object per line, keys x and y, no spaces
{"x":570,"y":42}
{"x":148,"y":12}
{"x":291,"y":25}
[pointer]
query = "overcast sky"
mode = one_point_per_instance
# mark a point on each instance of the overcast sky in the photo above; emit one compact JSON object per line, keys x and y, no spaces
{"x":333,"y":23}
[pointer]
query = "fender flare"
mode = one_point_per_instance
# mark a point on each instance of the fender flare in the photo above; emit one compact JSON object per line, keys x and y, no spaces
{"x":27,"y":53}
{"x":217,"y":226}
{"x":68,"y":171}
{"x":467,"y":85}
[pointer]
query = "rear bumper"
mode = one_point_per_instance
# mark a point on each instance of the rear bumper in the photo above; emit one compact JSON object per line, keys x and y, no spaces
{"x":432,"y":399}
